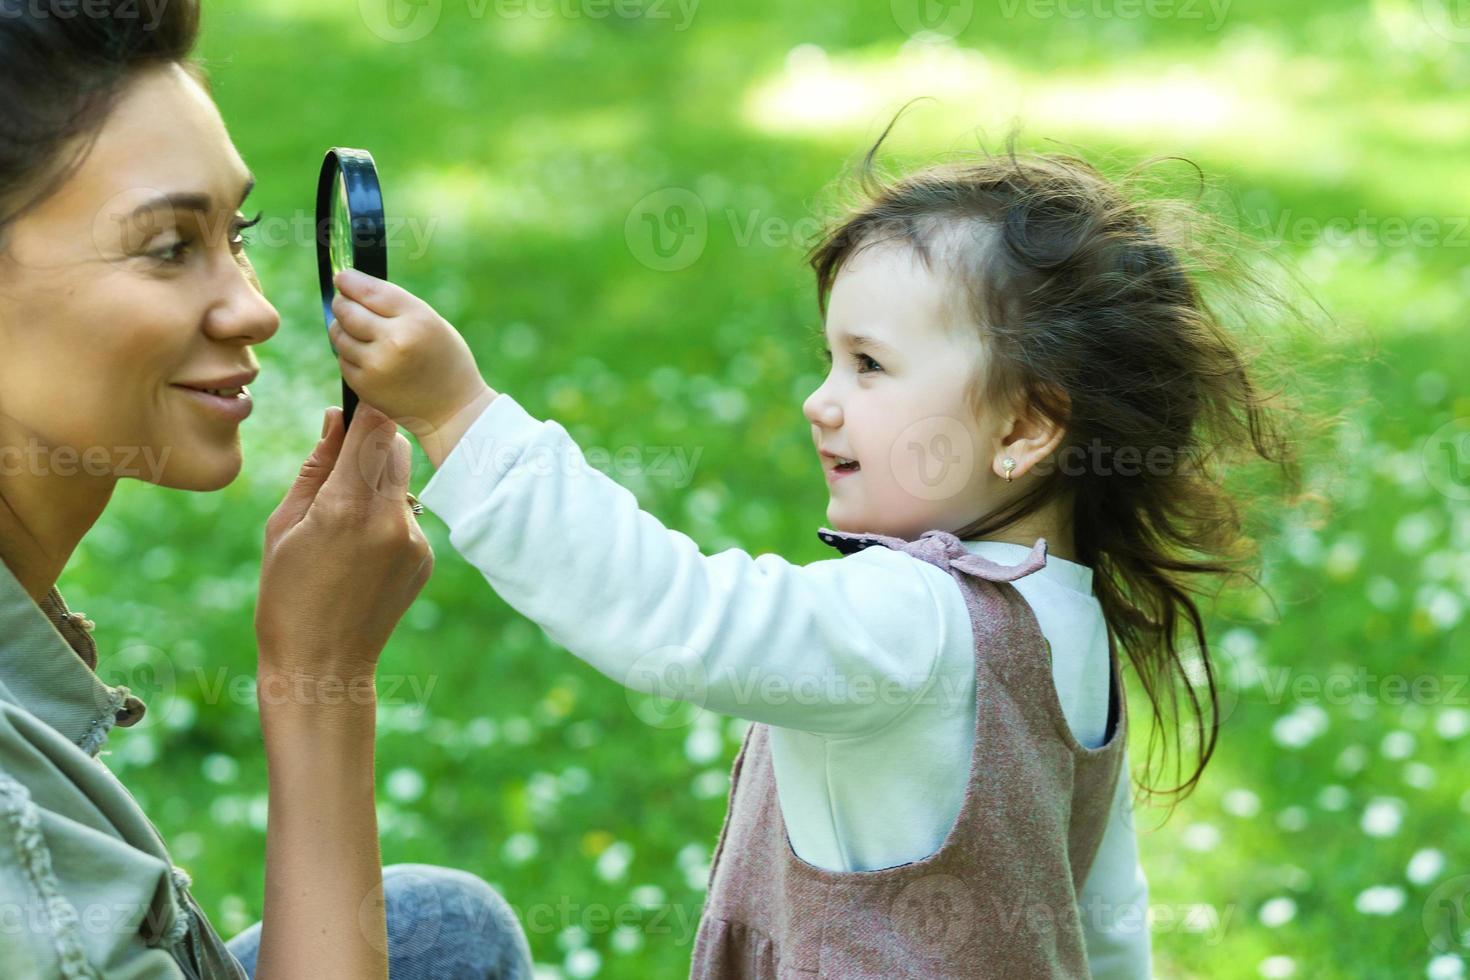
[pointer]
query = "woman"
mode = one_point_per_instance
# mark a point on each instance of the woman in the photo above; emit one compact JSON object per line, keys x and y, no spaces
{"x":124,"y":294}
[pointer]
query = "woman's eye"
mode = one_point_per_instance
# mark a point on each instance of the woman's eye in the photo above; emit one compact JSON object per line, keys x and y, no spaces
{"x":173,"y":254}
{"x":240,"y":239}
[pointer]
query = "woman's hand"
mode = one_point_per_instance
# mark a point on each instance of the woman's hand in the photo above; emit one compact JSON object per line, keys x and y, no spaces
{"x":344,"y":555}
{"x":397,"y":352}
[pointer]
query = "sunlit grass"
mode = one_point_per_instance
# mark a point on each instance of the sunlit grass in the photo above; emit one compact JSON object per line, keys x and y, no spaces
{"x":1323,"y":834}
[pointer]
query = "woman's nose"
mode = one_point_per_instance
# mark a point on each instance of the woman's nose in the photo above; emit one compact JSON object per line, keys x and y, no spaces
{"x":245,"y":313}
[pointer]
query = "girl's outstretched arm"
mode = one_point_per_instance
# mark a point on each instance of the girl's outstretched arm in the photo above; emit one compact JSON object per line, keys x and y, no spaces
{"x":840,"y":646}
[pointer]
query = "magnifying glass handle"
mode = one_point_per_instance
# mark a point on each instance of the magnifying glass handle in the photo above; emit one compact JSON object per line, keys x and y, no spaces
{"x":349,"y":405}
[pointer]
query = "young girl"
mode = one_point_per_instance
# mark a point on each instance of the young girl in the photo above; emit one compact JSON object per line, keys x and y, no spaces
{"x":935,"y":781}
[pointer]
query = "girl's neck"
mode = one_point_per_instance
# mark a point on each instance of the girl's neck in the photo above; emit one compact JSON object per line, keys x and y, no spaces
{"x":1059,"y":539}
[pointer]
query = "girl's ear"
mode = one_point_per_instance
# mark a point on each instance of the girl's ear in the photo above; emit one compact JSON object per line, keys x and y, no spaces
{"x":1031,"y":437}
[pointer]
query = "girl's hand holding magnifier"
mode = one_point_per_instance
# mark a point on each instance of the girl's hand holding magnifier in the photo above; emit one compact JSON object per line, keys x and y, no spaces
{"x":399,"y":354}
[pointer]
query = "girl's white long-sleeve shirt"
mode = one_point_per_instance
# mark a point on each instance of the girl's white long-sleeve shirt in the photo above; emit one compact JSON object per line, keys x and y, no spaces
{"x":863,"y":666}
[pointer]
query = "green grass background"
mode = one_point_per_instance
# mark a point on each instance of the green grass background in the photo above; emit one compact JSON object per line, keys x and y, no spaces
{"x":1328,"y":839}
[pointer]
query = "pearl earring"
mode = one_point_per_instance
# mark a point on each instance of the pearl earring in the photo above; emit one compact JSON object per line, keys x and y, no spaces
{"x":1009,"y":465}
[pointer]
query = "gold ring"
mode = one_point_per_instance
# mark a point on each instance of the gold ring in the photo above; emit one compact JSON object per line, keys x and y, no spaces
{"x":414,"y":505}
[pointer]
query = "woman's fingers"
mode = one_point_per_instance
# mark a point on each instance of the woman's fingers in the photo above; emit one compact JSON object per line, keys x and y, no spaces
{"x":393,"y":483}
{"x":314,"y":472}
{"x":364,"y":455}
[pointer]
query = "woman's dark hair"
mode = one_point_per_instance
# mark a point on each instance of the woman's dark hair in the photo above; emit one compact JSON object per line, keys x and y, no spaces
{"x":63,"y":66}
{"x":1085,"y":303}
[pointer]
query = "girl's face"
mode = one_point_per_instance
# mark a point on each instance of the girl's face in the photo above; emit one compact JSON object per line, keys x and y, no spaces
{"x":127,"y":284}
{"x":895,"y":401}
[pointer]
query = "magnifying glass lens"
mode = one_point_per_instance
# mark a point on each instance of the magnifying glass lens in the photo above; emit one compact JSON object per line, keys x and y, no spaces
{"x":351,"y":232}
{"x":342,"y":244}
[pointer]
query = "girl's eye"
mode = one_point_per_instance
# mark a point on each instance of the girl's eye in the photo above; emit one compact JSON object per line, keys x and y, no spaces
{"x":860,"y":358}
{"x":241,"y":239}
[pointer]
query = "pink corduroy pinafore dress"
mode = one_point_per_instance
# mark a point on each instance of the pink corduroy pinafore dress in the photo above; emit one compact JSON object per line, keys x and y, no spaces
{"x":999,"y":897}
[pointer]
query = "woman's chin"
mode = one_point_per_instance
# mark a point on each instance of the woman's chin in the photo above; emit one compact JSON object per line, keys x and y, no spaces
{"x":203,"y":472}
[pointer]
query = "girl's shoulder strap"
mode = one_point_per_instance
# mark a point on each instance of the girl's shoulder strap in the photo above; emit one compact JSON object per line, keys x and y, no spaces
{"x":940,"y":548}
{"x":1009,"y":643}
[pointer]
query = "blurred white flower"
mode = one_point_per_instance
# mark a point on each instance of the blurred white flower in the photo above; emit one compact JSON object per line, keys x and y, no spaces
{"x":1277,"y":912}
{"x":1344,"y":556}
{"x":1292,"y":818}
{"x":1300,"y":726}
{"x":703,"y":745}
{"x":1241,"y":802}
{"x":612,"y":863}
{"x":626,"y":939}
{"x":1351,"y":759}
{"x":220,"y":768}
{"x":1425,"y":865}
{"x":648,"y":896}
{"x":1277,"y":967}
{"x":1380,"y":900}
{"x":581,"y":963}
{"x":1382,"y":592}
{"x":1382,"y":816}
{"x":1413,"y":531}
{"x":1419,"y":775}
{"x":520,"y":848}
{"x":1201,"y":837}
{"x":1397,"y":744}
{"x":405,"y":784}
{"x":1446,"y":966}
{"x":1452,"y":722}
{"x":1332,"y":797}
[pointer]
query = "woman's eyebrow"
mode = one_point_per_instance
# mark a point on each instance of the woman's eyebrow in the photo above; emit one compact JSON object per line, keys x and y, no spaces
{"x":188,"y":200}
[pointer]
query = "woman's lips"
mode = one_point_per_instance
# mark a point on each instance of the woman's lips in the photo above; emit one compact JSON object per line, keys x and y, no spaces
{"x":236,"y":408}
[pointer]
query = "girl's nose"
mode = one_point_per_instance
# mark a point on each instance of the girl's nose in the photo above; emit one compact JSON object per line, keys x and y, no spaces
{"x":821,"y":409}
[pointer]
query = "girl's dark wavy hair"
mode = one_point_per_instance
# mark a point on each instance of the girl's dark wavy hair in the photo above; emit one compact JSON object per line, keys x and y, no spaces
{"x":63,"y":66}
{"x":1089,"y":301}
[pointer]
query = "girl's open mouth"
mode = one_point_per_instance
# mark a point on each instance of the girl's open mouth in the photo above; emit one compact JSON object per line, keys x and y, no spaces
{"x":841,"y":467}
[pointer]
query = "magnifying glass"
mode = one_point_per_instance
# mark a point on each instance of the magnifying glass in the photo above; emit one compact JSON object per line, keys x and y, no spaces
{"x":351,"y":232}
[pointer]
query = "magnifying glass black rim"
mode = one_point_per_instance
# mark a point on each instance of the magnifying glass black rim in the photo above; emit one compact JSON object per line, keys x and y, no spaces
{"x":369,"y":230}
